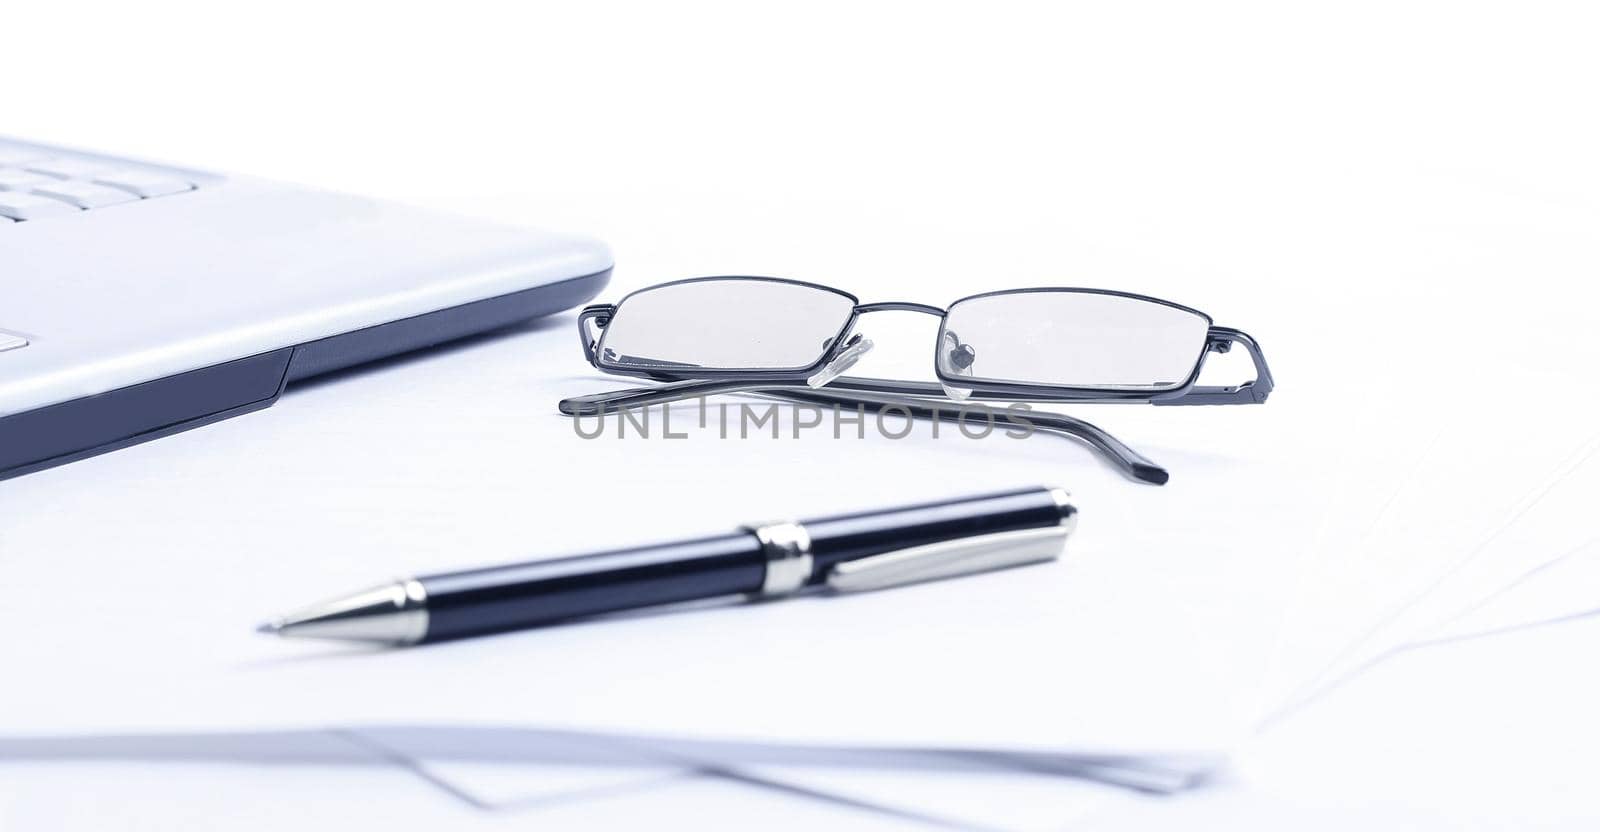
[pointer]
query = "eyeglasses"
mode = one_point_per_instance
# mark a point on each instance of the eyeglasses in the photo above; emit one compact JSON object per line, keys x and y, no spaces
{"x":794,"y":340}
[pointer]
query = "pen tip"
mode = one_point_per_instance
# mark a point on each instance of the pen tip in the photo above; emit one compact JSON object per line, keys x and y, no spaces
{"x":271,"y":628}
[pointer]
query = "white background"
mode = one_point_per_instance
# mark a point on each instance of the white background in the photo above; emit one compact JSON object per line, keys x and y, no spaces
{"x":1357,"y":168}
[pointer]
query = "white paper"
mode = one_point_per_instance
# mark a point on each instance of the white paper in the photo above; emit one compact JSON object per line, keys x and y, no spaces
{"x":1532,"y":569}
{"x":1137,"y":641}
{"x":1471,"y":473}
{"x":1563,"y":589}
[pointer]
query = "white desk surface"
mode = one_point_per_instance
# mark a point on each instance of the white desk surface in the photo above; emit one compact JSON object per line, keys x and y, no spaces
{"x":1355,"y":174}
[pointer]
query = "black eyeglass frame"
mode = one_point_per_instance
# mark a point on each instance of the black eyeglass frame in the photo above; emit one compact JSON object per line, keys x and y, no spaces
{"x":1219,"y":339}
{"x":917,"y":399}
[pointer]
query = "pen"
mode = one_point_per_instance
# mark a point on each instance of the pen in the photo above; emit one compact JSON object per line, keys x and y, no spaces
{"x":847,"y":553}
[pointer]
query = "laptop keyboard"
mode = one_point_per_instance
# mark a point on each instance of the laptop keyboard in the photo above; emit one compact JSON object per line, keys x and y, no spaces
{"x":37,"y":184}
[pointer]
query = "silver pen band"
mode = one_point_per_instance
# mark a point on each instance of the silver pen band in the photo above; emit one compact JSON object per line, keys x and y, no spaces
{"x":787,"y":549}
{"x":1068,"y":509}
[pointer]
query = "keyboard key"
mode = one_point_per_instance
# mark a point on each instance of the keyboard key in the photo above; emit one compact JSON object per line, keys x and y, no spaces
{"x":11,"y":342}
{"x":68,"y":168}
{"x":83,"y":194}
{"x":144,"y":183}
{"x":21,"y":206}
{"x":12,"y":179}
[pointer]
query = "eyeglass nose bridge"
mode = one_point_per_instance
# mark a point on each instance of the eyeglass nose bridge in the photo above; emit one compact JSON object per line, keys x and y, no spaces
{"x":900,"y":306}
{"x":961,"y":355}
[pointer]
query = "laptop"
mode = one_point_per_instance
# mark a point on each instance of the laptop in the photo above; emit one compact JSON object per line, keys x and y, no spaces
{"x":141,"y":299}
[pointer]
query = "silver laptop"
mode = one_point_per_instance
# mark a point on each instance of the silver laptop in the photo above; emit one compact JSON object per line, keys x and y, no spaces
{"x":140,"y":299}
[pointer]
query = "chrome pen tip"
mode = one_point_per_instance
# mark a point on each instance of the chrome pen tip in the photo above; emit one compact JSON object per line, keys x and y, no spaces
{"x":394,"y":613}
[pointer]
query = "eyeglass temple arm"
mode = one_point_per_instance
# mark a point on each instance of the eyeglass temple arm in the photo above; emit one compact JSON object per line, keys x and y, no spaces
{"x":1220,"y":339}
{"x":1126,"y":459}
{"x":1131,"y":462}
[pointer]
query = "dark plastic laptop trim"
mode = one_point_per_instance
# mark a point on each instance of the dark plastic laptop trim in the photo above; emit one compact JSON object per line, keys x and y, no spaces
{"x":80,"y":428}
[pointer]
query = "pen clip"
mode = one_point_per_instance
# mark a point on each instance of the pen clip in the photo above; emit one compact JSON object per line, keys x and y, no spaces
{"x":948,"y":559}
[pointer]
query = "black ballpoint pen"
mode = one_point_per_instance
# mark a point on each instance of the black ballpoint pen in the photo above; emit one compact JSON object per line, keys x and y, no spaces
{"x":870,"y":550}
